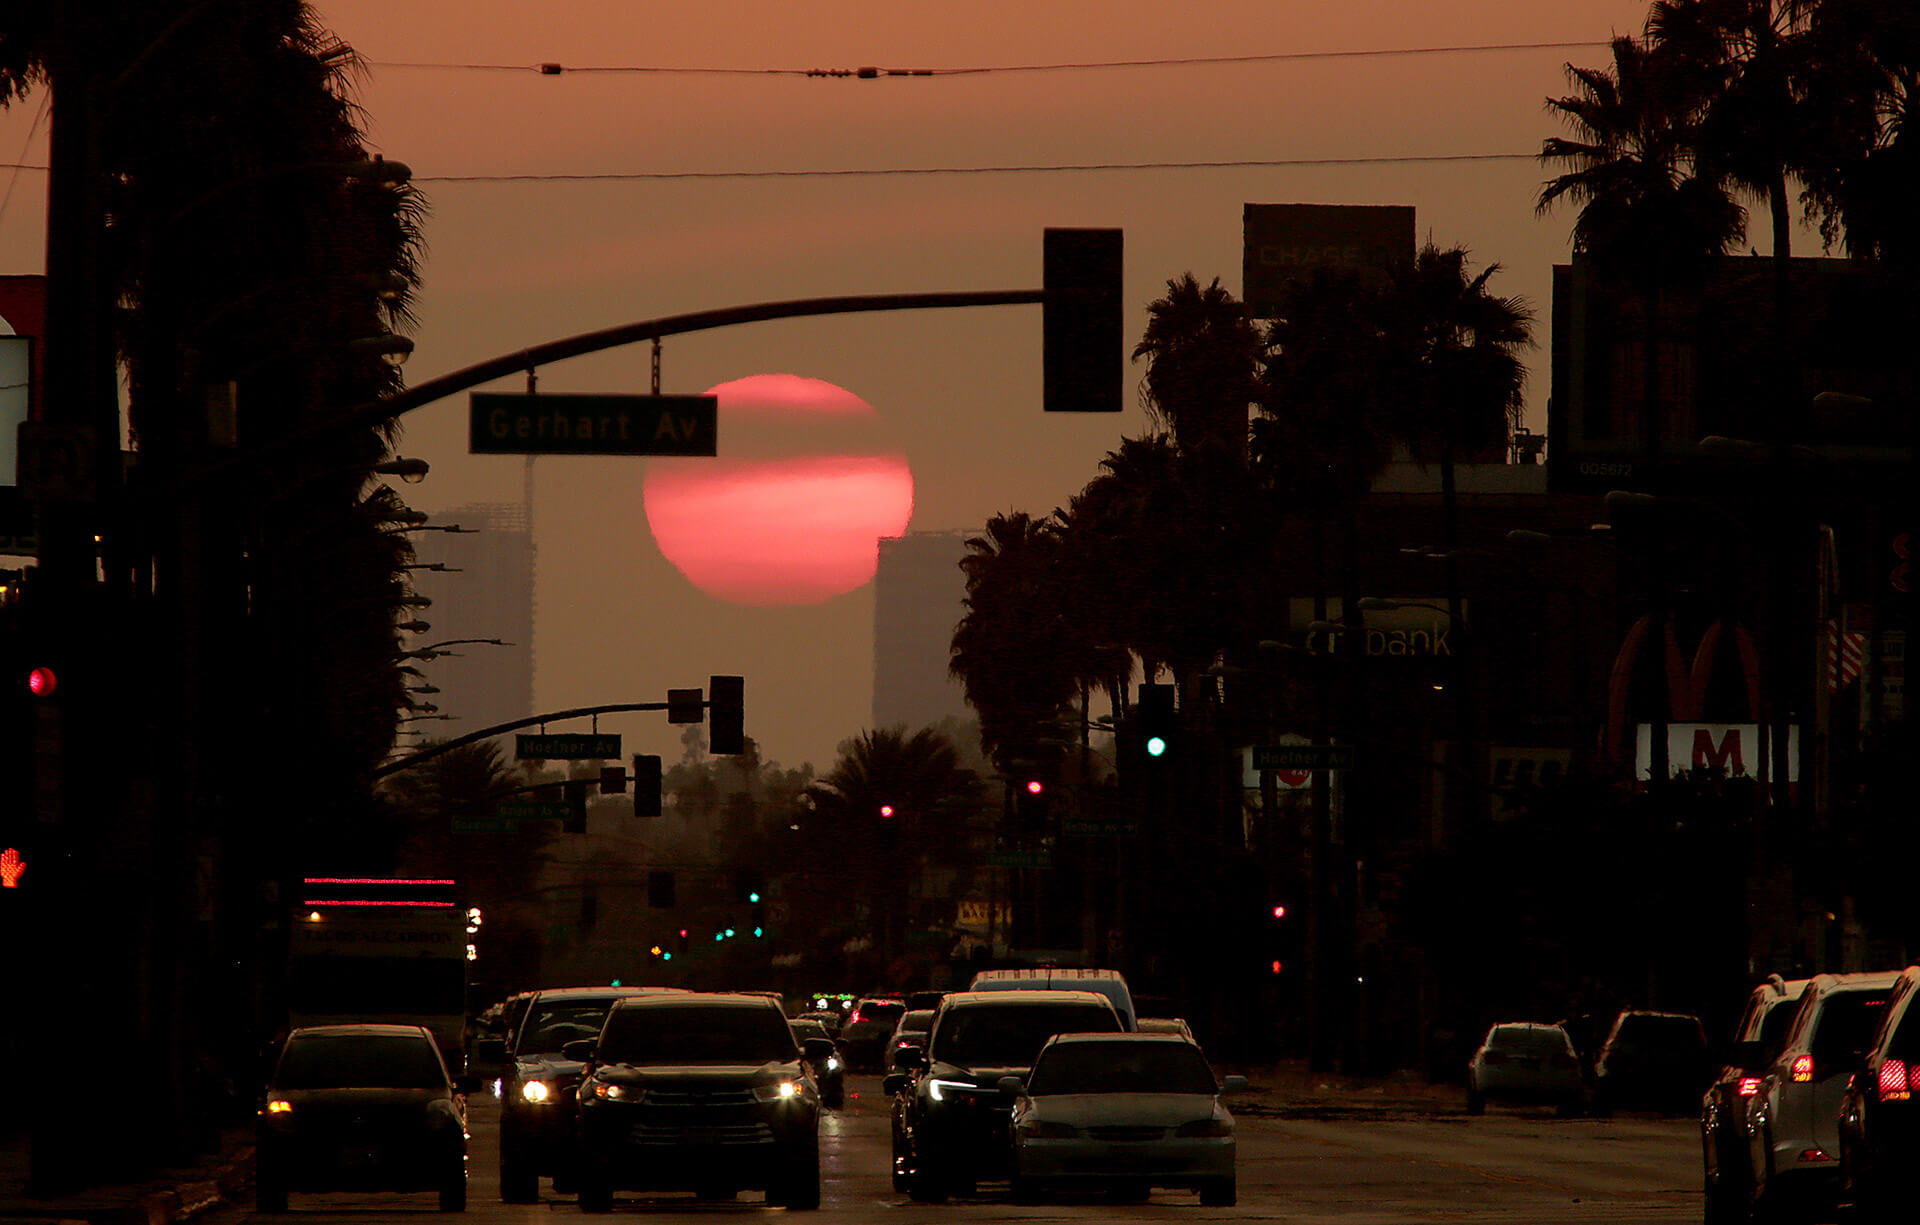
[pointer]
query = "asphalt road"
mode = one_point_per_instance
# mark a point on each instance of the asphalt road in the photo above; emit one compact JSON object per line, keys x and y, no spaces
{"x":1297,"y":1163}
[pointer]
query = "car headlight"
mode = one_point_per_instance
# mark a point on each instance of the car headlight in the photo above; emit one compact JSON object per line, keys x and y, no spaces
{"x":941,"y":1090}
{"x":1043,"y":1129}
{"x":777,"y":1091}
{"x":617,"y":1093}
{"x":536,"y":1091}
{"x":1205,"y":1127}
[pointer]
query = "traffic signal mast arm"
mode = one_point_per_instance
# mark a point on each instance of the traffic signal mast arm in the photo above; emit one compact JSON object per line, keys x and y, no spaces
{"x":428,"y":754}
{"x":388,"y":408}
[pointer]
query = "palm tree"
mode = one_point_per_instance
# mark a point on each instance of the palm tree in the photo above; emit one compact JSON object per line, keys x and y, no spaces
{"x":1012,"y":649}
{"x":1463,"y":380}
{"x":892,"y":805}
{"x":1651,"y":212}
{"x":1866,"y":172}
{"x":1203,"y":359}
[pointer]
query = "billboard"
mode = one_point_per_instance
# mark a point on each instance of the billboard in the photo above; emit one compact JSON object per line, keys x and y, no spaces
{"x":1283,"y":242}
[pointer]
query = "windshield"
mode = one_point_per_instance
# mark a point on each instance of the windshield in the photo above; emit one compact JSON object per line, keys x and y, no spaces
{"x":1847,"y":1026}
{"x":1121,"y":1067}
{"x":876,"y":1010}
{"x":985,"y":1036}
{"x":1528,"y":1041}
{"x":1646,"y":1032}
{"x":697,"y":1034}
{"x":551,"y":1024}
{"x":361,"y":1061}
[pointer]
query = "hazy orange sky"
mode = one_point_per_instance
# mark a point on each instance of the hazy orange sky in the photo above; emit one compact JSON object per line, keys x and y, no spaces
{"x":512,"y":263}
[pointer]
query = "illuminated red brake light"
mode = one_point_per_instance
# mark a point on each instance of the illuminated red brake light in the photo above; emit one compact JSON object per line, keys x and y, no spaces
{"x":1896,"y":1084}
{"x":1803,"y":1068}
{"x":1749,"y":1086}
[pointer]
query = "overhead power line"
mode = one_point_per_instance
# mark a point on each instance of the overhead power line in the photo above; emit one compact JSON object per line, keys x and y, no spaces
{"x":869,"y":73}
{"x":1038,"y":168}
{"x":620,"y":176}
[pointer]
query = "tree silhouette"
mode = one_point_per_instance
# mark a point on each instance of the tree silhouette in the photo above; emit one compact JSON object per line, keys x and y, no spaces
{"x":1650,"y":212}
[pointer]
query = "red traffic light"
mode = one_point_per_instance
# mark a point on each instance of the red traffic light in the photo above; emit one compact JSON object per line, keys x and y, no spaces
{"x":1035,"y":787}
{"x":1279,"y":912}
{"x":886,"y":810}
{"x":41,"y":682}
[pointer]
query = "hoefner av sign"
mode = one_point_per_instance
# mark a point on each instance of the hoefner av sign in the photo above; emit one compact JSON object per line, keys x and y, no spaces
{"x":505,"y":424}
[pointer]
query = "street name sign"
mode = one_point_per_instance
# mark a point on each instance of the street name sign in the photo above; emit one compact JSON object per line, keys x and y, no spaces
{"x":1097,"y":827}
{"x":1019,"y":859}
{"x":1303,"y":757}
{"x":501,"y":423}
{"x":567,"y":746}
{"x":532,"y":810}
{"x":481,"y":824}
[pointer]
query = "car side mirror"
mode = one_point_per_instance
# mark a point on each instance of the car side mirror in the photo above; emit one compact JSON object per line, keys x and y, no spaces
{"x":491,"y":1050}
{"x":580,"y":1050}
{"x":1233,"y":1084}
{"x":894,"y":1083}
{"x":467,"y":1084}
{"x":817,"y":1048}
{"x":1012,"y":1086}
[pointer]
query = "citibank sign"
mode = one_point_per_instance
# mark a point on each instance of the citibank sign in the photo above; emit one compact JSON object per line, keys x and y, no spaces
{"x":1735,"y":750}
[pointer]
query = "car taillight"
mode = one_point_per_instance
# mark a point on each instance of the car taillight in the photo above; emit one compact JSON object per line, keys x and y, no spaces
{"x":1896,"y":1084}
{"x":1749,"y":1086}
{"x":1803,"y":1068}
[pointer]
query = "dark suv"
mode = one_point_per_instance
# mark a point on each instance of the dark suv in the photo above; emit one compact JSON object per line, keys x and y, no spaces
{"x":950,"y":1125}
{"x":362,"y":1108}
{"x":699,"y":1092}
{"x":536,"y":1093}
{"x":1880,"y":1114}
{"x":1723,"y":1110}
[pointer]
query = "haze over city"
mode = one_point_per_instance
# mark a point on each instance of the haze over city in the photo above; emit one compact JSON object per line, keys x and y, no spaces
{"x":682,"y":159}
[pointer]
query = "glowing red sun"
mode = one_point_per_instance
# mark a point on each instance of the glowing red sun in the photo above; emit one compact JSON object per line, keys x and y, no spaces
{"x":792,"y":509}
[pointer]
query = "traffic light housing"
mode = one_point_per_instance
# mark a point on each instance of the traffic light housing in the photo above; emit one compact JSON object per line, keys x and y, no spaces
{"x":684,"y":705}
{"x":1157,"y":723}
{"x":1032,"y":805}
{"x":646,"y":785}
{"x":1082,"y":325}
{"x":660,"y":890}
{"x":726,"y":715}
{"x":575,"y":793}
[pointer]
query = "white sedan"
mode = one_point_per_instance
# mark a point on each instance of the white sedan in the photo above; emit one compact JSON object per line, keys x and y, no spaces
{"x":1126,"y":1113}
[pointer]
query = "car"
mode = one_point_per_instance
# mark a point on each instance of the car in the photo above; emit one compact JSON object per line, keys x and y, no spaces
{"x":1652,"y":1061}
{"x":1792,"y":1125}
{"x":829,"y":1069}
{"x":951,"y":1105}
{"x":868,"y":1027}
{"x":1723,"y":1109}
{"x":911,"y":1031}
{"x":1110,"y":983}
{"x":1165,"y":1025}
{"x":1122,"y":1112}
{"x":1879,"y":1122}
{"x":832,"y":1022}
{"x":1524,"y":1062}
{"x":362,"y":1108}
{"x":699,"y":1091}
{"x":536,"y":1092}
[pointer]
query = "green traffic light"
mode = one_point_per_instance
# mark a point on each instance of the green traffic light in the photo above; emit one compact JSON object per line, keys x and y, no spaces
{"x":1156,"y":746}
{"x":753,"y":897}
